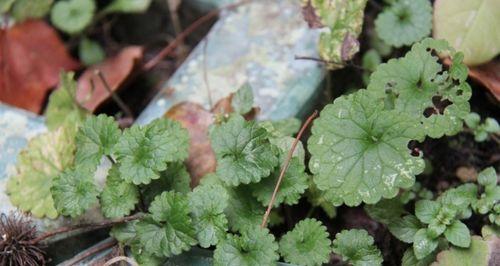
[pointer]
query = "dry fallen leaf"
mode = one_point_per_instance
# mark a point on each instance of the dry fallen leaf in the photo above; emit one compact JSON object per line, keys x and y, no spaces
{"x":466,"y":174}
{"x":115,"y":69}
{"x":488,"y":75}
{"x":196,"y":120}
{"x":31,"y":57}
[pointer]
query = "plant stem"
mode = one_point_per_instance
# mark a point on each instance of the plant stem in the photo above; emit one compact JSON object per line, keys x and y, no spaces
{"x":113,"y":95}
{"x":95,"y":226}
{"x":285,"y":167}
{"x":89,"y":252}
{"x":180,"y":38}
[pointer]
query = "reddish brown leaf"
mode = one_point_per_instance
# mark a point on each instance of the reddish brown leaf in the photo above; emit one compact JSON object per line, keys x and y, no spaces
{"x":196,"y":120}
{"x":488,"y":75}
{"x":31,"y":57}
{"x":224,"y":107}
{"x":115,"y":69}
{"x":310,"y":16}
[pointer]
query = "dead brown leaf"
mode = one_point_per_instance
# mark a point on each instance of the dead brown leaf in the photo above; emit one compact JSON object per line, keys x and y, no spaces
{"x":466,"y":174}
{"x":488,"y":75}
{"x":115,"y":69}
{"x":196,"y":120}
{"x":310,"y":16}
{"x":31,"y":58}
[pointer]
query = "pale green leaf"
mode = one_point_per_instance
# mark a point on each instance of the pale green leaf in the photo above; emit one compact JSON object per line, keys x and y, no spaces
{"x":44,"y":158}
{"x":72,"y":16}
{"x":30,"y":9}
{"x":128,"y":6}
{"x":458,"y":234}
{"x":423,"y":245}
{"x":405,"y":228}
{"x":242,"y":100}
{"x":480,"y":253}
{"x":359,"y":150}
{"x":306,"y":244}
{"x":470,"y":27}
{"x":90,"y":52}
{"x":386,"y":210}
{"x":5,"y":5}
{"x":427,"y":210}
{"x":404,"y":22}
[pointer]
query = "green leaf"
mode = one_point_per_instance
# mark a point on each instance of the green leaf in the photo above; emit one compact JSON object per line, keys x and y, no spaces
{"x":359,"y":150}
{"x":343,"y":20}
{"x":168,"y":230}
{"x":386,"y":210}
{"x":244,"y":211}
{"x":44,"y":158}
{"x":90,"y":52}
{"x":124,"y":233}
{"x":118,"y":198}
{"x":356,"y":247}
{"x":128,"y":6}
{"x":423,"y":245}
{"x":242,"y":100}
{"x":175,"y":178}
{"x":427,"y":210}
{"x":243,"y":151}
{"x":458,"y":234}
{"x":405,"y":228}
{"x":306,"y":244}
{"x":371,"y":59}
{"x":72,"y":16}
{"x":96,"y":138}
{"x":469,"y":27}
{"x":480,"y":253}
{"x":62,"y":108}
{"x":74,"y":191}
{"x":30,"y":9}
{"x":424,"y":90}
{"x":283,"y":127}
{"x":409,"y":259}
{"x":143,"y":151}
{"x":404,"y":22}
{"x":207,"y":204}
{"x":488,"y":177}
{"x":293,"y":185}
{"x":254,"y":246}
{"x":316,"y":198}
{"x":5,"y":5}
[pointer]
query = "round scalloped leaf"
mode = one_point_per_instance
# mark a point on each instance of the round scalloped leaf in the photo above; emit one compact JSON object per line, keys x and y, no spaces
{"x":74,"y":192}
{"x":306,"y":244}
{"x":72,"y":16}
{"x":118,"y":198}
{"x":243,"y":211}
{"x":244,"y":153}
{"x":417,"y":85}
{"x":470,"y":26}
{"x":359,"y":150}
{"x":405,"y":22}
{"x":356,"y":247}
{"x":45,"y":157}
{"x":255,"y":246}
{"x":207,"y":203}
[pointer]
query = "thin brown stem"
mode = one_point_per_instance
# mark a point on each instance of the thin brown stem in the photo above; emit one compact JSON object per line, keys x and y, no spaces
{"x":113,"y":95}
{"x":180,"y":38}
{"x":91,"y":251}
{"x":95,"y":226}
{"x":285,"y":167}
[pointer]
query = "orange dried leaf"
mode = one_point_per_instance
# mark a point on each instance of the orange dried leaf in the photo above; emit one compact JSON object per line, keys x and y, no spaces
{"x":196,"y":120}
{"x":31,"y":58}
{"x":488,"y":75}
{"x":115,"y":69}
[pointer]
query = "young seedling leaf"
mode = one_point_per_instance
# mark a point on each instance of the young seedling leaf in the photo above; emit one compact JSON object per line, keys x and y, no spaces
{"x":306,"y":244}
{"x":72,"y":16}
{"x":118,"y":198}
{"x":74,"y":191}
{"x":356,"y":247}
{"x":90,"y":52}
{"x":242,"y":100}
{"x":255,"y":246}
{"x":423,"y":244}
{"x":359,"y":150}
{"x":128,"y":6}
{"x":458,"y":234}
{"x":96,"y":138}
{"x":405,"y":22}
{"x":244,"y":154}
{"x":405,"y":228}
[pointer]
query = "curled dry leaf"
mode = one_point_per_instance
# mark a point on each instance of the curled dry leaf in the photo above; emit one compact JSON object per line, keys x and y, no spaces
{"x":488,"y":75}
{"x":115,"y":69}
{"x":196,"y":120}
{"x":31,"y":57}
